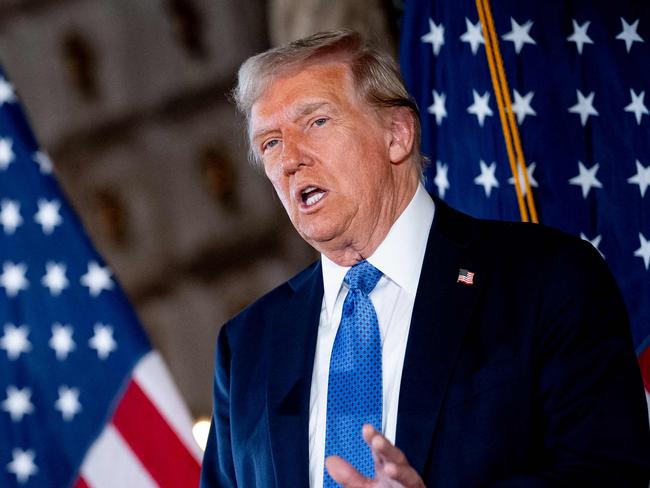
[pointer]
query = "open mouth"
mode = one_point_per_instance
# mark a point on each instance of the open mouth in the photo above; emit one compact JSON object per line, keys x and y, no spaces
{"x":311,"y":195}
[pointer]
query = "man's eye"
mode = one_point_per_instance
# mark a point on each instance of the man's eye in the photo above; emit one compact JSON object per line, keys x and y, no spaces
{"x":270,"y":144}
{"x":320,"y":122}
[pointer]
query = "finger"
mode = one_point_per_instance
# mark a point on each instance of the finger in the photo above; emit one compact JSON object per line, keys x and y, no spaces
{"x":392,"y":460}
{"x":382,"y":449}
{"x":368,"y":433}
{"x":404,"y":474}
{"x":344,"y":473}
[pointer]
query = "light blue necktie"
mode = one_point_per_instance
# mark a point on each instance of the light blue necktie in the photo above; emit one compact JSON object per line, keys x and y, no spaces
{"x":354,"y":391}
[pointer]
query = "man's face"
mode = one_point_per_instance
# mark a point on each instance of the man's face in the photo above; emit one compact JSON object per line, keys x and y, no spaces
{"x":327,"y":154}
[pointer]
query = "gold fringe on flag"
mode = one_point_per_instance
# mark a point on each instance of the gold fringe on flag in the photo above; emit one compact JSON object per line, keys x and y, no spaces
{"x":508,"y":123}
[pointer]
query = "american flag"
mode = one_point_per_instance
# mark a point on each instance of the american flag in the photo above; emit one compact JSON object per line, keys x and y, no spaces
{"x":577,"y":73}
{"x":465,"y":276}
{"x":84,"y":400}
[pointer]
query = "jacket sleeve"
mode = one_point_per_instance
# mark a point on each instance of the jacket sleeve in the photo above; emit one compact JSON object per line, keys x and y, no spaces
{"x":218,"y":468}
{"x":594,"y":420}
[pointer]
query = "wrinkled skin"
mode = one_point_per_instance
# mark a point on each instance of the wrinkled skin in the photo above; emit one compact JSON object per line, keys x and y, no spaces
{"x":310,"y":129}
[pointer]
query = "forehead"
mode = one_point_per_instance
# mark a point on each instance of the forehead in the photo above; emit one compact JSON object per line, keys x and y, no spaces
{"x":288,"y":95}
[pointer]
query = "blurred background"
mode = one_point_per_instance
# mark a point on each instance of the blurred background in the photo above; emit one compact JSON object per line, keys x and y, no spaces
{"x":129,"y":98}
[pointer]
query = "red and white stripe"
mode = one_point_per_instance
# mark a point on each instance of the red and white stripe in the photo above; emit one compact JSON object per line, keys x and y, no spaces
{"x":148,"y":442}
{"x":466,"y":277}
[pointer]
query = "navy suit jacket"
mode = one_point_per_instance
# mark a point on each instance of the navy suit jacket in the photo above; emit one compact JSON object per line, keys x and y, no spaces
{"x":526,"y":378}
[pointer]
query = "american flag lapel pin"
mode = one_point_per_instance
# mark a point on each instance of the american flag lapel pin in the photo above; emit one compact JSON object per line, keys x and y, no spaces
{"x":465,"y":276}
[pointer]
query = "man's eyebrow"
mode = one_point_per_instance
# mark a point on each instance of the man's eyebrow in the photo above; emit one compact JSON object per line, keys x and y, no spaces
{"x":309,"y":109}
{"x":298,"y":114}
{"x":258,"y":134}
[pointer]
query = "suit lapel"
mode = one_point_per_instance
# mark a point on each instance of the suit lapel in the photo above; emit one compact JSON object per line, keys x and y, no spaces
{"x":292,"y":356}
{"x":440,"y":317}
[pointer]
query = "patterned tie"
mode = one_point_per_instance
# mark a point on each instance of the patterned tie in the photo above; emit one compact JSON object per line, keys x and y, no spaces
{"x":354,"y":395}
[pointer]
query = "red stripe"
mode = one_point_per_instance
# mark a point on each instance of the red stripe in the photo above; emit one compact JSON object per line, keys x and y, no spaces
{"x":644,"y":363}
{"x":81,"y":483}
{"x":154,"y":442}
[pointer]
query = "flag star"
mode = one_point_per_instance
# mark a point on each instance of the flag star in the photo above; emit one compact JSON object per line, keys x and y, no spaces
{"x":473,"y":35}
{"x":594,"y":242}
{"x":435,"y":36}
{"x":18,"y":403}
{"x":487,"y":179}
{"x":7,"y":155}
{"x":641,"y":178}
{"x":22,"y":464}
{"x":530,"y":169}
{"x":584,"y":107}
{"x":438,"y":107}
{"x":44,"y":162}
{"x":97,"y":278}
{"x":68,"y":402}
{"x":441,"y":180}
{"x":7,"y":93}
{"x":522,"y":107}
{"x":629,"y":34}
{"x":10,"y":215}
{"x":519,"y":34}
{"x":103,"y":340}
{"x":586,"y":178}
{"x":15,"y":341}
{"x":480,"y":107}
{"x":580,"y":36}
{"x":54,"y":278}
{"x":636,"y":106}
{"x":644,"y":250}
{"x":48,"y":215}
{"x":61,"y":340}
{"x":13,"y":278}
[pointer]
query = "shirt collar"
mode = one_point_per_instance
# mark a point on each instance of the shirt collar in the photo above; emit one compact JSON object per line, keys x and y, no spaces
{"x":399,"y":257}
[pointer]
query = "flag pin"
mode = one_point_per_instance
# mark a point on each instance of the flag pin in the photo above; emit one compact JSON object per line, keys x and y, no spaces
{"x":465,"y":276}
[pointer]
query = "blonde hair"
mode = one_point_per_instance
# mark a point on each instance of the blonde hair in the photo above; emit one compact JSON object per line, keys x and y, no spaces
{"x":375,"y":74}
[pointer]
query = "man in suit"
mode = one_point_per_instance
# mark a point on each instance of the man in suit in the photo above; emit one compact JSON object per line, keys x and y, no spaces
{"x":425,"y":347}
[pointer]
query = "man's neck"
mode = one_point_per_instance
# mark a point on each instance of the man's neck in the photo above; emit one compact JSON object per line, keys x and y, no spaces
{"x":359,"y":248}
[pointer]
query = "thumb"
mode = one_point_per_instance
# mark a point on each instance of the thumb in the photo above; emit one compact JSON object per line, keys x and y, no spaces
{"x":344,"y":473}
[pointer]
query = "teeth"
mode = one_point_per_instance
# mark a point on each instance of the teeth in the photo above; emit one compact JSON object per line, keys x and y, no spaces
{"x":308,"y":189}
{"x":314,"y":198}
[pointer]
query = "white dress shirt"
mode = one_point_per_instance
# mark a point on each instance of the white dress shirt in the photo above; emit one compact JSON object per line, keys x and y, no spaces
{"x":399,"y":257}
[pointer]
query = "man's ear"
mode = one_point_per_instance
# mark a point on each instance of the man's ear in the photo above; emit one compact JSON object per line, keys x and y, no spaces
{"x":402,"y":134}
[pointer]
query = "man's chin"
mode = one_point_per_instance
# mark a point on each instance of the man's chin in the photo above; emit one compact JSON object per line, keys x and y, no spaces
{"x":319,"y":239}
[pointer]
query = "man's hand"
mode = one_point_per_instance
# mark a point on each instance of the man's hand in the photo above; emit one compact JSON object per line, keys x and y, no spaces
{"x":391,"y":466}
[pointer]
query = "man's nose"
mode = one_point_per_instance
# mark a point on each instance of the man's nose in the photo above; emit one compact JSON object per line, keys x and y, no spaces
{"x":293,"y":156}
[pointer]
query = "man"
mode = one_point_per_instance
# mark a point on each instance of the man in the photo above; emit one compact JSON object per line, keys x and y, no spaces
{"x":424,"y":348}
